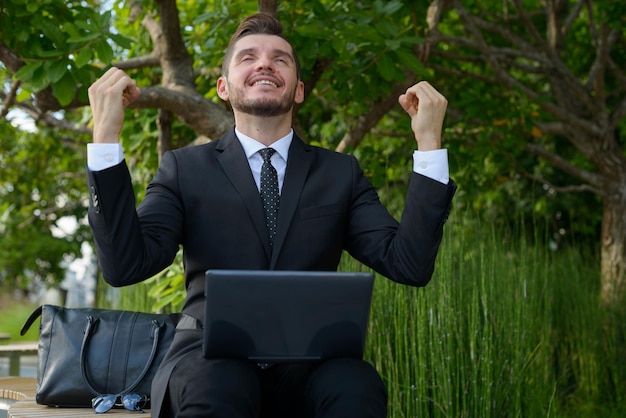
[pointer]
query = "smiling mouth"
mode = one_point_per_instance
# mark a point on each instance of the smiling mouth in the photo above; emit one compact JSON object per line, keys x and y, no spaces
{"x":265,"y":83}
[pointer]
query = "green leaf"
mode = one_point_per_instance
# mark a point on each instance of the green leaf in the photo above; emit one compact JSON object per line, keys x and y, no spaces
{"x":409,"y":60}
{"x":338,"y":45}
{"x":386,"y":67}
{"x":104,"y":19}
{"x":104,"y":51}
{"x":65,"y":89}
{"x":359,"y":89}
{"x":40,"y":80}
{"x":84,"y":38}
{"x":72,"y":30}
{"x":22,"y":36}
{"x":312,"y":31}
{"x":24,"y":94}
{"x":388,"y":29}
{"x":87,"y":25}
{"x":390,"y":7}
{"x":53,"y":53}
{"x":393,"y":44}
{"x":203,"y":18}
{"x":83,"y":57}
{"x":56,"y":70}
{"x":364,"y":34}
{"x":52,"y":32}
{"x":121,"y":40}
{"x":26,"y":72}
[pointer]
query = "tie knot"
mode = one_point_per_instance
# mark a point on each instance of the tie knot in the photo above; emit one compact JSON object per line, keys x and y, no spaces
{"x":267,"y":153}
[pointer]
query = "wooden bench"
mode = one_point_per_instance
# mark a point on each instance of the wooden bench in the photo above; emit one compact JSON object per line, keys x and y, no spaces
{"x":22,"y":390}
{"x":15,"y":352}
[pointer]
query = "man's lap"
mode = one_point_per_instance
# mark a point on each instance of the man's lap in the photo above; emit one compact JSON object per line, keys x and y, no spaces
{"x":238,"y":388}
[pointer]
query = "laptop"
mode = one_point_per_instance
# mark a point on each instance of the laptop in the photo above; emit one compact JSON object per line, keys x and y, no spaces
{"x":271,"y":316}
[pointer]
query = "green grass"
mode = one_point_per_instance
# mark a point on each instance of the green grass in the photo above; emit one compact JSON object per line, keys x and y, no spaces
{"x":505,"y":329}
{"x":13,"y":314}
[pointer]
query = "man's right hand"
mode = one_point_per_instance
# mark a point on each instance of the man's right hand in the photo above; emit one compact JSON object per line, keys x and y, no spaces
{"x":108,"y":97}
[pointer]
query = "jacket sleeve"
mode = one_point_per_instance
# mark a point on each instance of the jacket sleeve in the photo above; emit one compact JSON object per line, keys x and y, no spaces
{"x":131,"y":249}
{"x":404,"y":252}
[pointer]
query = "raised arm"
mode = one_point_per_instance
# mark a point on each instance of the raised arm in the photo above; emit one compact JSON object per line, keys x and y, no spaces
{"x":108,"y":97}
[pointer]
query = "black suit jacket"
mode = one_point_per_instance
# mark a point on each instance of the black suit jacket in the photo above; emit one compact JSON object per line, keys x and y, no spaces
{"x":205,"y":199}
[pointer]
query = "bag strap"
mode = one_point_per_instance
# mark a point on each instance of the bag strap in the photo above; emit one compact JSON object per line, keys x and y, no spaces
{"x":90,"y":328}
{"x":31,"y":318}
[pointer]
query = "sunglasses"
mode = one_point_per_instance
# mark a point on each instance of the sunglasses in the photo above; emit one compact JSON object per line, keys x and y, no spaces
{"x":130,"y":401}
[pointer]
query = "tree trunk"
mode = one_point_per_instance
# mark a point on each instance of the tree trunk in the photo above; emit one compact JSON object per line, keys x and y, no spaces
{"x":269,"y":6}
{"x":613,"y":252}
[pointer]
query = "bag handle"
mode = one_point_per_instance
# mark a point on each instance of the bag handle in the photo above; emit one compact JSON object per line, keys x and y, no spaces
{"x":31,"y":318}
{"x":90,"y":328}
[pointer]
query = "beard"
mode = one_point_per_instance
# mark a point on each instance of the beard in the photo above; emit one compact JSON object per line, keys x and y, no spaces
{"x":261,"y":107}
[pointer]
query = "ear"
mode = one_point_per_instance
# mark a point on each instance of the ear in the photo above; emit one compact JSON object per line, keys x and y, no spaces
{"x":299,"y":97}
{"x":222,"y":88}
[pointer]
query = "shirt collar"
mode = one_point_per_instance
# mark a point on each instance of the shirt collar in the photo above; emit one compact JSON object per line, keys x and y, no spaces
{"x":252,"y":146}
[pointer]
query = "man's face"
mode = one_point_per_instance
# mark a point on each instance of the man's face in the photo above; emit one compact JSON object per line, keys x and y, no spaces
{"x":262,"y":79}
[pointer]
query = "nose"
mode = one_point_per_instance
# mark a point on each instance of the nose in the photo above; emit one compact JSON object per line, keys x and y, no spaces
{"x":264,"y":63}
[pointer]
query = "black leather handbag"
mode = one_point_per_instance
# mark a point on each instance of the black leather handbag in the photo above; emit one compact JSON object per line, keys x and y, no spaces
{"x":85,"y":353}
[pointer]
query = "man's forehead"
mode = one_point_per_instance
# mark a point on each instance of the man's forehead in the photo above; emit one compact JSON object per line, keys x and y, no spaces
{"x":260,"y":42}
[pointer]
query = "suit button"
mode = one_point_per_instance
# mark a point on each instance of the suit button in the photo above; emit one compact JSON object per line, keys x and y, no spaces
{"x":95,"y":203}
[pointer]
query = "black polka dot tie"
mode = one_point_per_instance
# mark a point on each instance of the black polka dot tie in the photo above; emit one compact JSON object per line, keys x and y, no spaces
{"x":269,"y":191}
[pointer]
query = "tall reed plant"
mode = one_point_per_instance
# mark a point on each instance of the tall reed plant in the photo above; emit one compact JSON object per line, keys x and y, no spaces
{"x":506,"y":328}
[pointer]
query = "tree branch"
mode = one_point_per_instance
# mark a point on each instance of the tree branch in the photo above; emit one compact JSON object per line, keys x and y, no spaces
{"x":592,"y":178}
{"x":617,"y":115}
{"x":548,"y":60}
{"x":44,"y":98}
{"x":164,"y":123}
{"x":381,"y":107}
{"x":530,"y":27}
{"x":575,"y":121}
{"x":269,"y":7}
{"x":202,"y":115}
{"x":572,"y":17}
{"x":151,"y":60}
{"x":597,"y":72}
{"x":9,"y":58}
{"x":580,"y":188}
{"x":10,"y":99}
{"x":41,"y":117}
{"x":367,"y":121}
{"x":176,"y":62}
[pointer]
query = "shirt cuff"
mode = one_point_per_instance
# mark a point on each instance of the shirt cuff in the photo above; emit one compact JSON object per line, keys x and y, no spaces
{"x":103,"y":156}
{"x":432,"y":164}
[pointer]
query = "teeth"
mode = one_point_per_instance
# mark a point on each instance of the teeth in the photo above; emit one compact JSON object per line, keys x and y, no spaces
{"x":266,"y":82}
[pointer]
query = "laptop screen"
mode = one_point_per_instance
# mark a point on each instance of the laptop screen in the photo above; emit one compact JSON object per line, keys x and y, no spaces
{"x":283,"y":316}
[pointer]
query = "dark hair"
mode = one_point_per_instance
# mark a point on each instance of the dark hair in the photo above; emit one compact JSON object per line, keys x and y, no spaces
{"x":257,"y":24}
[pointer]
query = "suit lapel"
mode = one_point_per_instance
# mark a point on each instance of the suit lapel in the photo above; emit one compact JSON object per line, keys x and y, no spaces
{"x":298,"y":164}
{"x":235,"y":164}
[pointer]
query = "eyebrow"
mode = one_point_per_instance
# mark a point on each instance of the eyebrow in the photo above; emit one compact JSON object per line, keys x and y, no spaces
{"x":277,"y":51}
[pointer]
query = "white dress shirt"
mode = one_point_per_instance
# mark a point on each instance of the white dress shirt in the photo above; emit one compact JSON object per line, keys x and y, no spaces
{"x":432,"y":164}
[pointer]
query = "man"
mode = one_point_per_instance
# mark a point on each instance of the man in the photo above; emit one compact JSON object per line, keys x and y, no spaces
{"x":208,"y":199}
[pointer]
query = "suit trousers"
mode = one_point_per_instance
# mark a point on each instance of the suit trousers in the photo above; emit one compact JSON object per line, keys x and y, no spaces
{"x":229,"y":388}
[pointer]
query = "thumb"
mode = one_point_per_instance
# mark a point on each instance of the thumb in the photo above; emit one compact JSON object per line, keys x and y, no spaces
{"x":408,"y":106}
{"x":130,"y":94}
